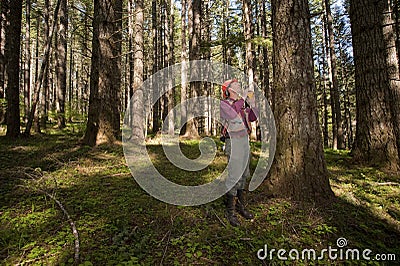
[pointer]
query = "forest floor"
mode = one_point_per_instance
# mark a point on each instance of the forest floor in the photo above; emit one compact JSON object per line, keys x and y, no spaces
{"x":51,"y":183}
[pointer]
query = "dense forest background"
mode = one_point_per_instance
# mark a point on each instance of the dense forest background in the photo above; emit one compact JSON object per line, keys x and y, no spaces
{"x":330,"y":70}
{"x":225,"y":35}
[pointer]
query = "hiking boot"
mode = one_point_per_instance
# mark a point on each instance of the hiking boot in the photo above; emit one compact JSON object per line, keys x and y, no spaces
{"x":240,"y":206}
{"x":230,"y":210}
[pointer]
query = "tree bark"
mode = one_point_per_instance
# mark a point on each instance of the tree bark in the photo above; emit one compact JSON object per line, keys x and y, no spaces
{"x":184,"y":59}
{"x":42,"y":110}
{"x":27,"y":67}
{"x":170,"y":47}
{"x":325,"y":56}
{"x":248,"y":36}
{"x":12,"y":52}
{"x":209,"y":119}
{"x":138,"y":93}
{"x":250,"y":52}
{"x":226,"y":44}
{"x":70,"y":83}
{"x":377,"y":84}
{"x":103,"y":124}
{"x":265,"y":85}
{"x":61,"y":69}
{"x":299,"y":171}
{"x":3,"y":24}
{"x":156,"y":107}
{"x":338,"y":140}
{"x":348,"y":135}
{"x":131,"y":26}
{"x":194,"y":28}
{"x":43,"y":66}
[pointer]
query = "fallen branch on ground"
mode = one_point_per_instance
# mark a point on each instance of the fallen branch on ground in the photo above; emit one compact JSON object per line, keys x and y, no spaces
{"x":61,"y":206}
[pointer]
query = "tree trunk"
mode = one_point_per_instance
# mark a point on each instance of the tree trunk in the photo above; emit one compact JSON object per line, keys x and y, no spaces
{"x":37,"y":48}
{"x":209,"y":118}
{"x":265,"y":68}
{"x":325,"y":56}
{"x":70,"y":83}
{"x":338,"y":141}
{"x":103,"y":124}
{"x":3,"y":24}
{"x":325,"y":102}
{"x":299,"y":171}
{"x":194,"y":28}
{"x":156,"y":107}
{"x":61,"y":69}
{"x":137,"y":104}
{"x":250,"y":53}
{"x":377,"y":84}
{"x":396,"y":11}
{"x":171,"y":61}
{"x":248,"y":36}
{"x":42,"y":110}
{"x":12,"y":52}
{"x":226,"y":44}
{"x":184,"y":87}
{"x":322,"y":85}
{"x":131,"y":25}
{"x":347,"y":102}
{"x":35,"y":115}
{"x":41,"y":73}
{"x":27,"y":70}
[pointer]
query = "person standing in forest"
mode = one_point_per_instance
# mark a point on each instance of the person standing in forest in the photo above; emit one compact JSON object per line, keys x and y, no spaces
{"x":236,"y":113}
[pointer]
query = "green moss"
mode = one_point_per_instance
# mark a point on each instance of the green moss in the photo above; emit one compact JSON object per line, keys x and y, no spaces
{"x":119,"y":223}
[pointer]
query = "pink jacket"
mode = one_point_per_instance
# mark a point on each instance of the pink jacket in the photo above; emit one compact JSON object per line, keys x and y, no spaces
{"x":237,"y":117}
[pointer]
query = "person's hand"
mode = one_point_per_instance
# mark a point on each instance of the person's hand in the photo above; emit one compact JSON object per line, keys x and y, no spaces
{"x":251,"y":99}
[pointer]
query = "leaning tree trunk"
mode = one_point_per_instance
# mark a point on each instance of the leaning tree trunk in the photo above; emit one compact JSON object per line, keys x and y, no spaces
{"x":299,"y":171}
{"x":42,"y":110}
{"x":103,"y":124}
{"x":377,"y":84}
{"x":61,"y":69}
{"x":41,"y":73}
{"x":12,"y":52}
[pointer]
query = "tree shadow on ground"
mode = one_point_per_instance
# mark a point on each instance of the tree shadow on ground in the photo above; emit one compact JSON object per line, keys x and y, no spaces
{"x":118,"y":222}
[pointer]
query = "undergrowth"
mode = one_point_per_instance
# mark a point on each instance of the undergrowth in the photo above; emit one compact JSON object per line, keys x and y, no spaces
{"x":120,"y":224}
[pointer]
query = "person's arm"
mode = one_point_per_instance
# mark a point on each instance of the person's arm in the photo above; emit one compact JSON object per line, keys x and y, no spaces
{"x":253,"y":113}
{"x":229,"y":111}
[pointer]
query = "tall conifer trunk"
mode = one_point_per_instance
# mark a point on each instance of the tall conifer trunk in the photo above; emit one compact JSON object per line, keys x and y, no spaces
{"x":104,"y":106}
{"x":61,"y":69}
{"x":12,"y":52}
{"x":377,"y":138}
{"x":299,"y":171}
